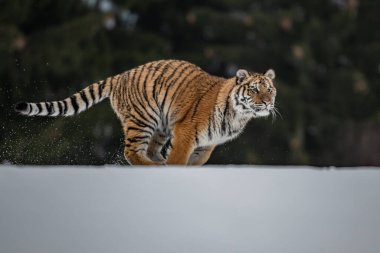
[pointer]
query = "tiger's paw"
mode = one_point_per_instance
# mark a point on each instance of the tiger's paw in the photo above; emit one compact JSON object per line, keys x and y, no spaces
{"x":158,"y":158}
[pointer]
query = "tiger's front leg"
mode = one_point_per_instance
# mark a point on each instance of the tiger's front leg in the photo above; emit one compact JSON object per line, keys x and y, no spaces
{"x":182,"y":145}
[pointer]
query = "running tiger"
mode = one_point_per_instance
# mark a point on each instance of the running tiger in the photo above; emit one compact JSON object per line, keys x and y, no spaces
{"x":171,"y":111}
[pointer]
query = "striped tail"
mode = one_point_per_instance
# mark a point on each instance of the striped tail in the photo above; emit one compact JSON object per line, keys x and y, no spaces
{"x":75,"y":104}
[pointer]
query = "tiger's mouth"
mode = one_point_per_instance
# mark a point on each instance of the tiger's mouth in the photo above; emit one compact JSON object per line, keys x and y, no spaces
{"x":265,"y":111}
{"x":262,"y":110}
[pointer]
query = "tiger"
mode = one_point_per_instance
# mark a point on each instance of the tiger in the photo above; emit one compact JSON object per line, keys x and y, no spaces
{"x":172,"y":112}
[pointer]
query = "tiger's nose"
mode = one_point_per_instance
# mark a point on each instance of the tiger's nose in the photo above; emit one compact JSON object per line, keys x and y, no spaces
{"x":266,"y":102}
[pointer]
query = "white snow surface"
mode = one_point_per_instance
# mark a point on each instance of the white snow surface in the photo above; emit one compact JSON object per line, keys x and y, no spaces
{"x":185,"y":210}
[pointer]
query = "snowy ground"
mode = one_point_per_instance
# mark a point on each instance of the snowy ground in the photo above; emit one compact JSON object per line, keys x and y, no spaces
{"x":183,"y":210}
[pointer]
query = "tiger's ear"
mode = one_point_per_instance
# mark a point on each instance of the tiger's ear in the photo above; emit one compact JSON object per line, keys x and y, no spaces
{"x":270,"y":73}
{"x":241,"y":74}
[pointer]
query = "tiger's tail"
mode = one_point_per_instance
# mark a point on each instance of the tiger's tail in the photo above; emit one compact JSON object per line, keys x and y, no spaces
{"x":75,"y":104}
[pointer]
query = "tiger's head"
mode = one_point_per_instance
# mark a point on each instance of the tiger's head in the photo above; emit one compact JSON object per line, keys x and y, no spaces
{"x":254,"y":94}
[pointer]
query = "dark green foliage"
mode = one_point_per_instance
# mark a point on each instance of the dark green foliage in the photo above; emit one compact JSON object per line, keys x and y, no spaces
{"x":325,"y":53}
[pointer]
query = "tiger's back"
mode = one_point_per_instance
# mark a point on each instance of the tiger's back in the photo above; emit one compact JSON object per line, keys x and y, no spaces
{"x":164,"y":90}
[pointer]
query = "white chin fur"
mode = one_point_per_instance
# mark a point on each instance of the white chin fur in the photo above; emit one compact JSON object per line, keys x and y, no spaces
{"x":263,"y":113}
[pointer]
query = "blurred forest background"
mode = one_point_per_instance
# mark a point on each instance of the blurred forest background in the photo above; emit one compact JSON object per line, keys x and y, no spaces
{"x":326,"y":55}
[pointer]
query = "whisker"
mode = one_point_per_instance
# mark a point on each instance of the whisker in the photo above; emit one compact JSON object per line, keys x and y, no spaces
{"x":278,"y":112}
{"x":274,"y":115}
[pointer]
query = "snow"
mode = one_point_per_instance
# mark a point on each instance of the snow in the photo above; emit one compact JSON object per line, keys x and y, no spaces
{"x":209,"y":209}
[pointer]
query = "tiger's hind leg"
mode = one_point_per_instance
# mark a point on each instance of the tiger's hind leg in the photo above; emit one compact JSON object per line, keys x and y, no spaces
{"x":155,"y":146}
{"x":200,"y":155}
{"x":137,"y":140}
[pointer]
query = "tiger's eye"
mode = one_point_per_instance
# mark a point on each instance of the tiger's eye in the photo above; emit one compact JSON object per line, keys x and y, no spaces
{"x":253,"y":89}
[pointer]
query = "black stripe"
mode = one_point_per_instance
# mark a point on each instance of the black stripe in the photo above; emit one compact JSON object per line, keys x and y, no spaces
{"x":214,"y":123}
{"x":60,"y":107}
{"x":167,"y":81}
{"x":198,"y":102}
{"x":133,"y":73}
{"x":142,"y":137}
{"x":158,"y":80}
{"x":39,"y":107}
{"x":224,"y":116}
{"x":91,"y":89}
{"x":139,"y":149}
{"x":209,"y":128}
{"x":141,"y":130}
{"x":182,"y":91}
{"x":49,"y":108}
{"x":138,"y":98}
{"x":237,"y":100}
{"x":108,"y":81}
{"x":141,"y":123}
{"x":84,"y":98}
{"x":141,"y":143}
{"x":64,"y":107}
{"x":174,"y":72}
{"x":121,"y":92}
{"x":170,"y":84}
{"x":155,"y":94}
{"x":134,"y":102}
{"x":111,"y":85}
{"x":116,"y":82}
{"x":157,"y":68}
{"x":195,"y":108}
{"x":162,"y":78}
{"x":180,"y":85}
{"x":74,"y":103}
{"x":101,"y":87}
{"x":145,"y":94}
{"x":165,"y":148}
{"x":141,"y":114}
{"x":140,"y":140}
{"x":137,"y":88}
{"x":229,"y":128}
